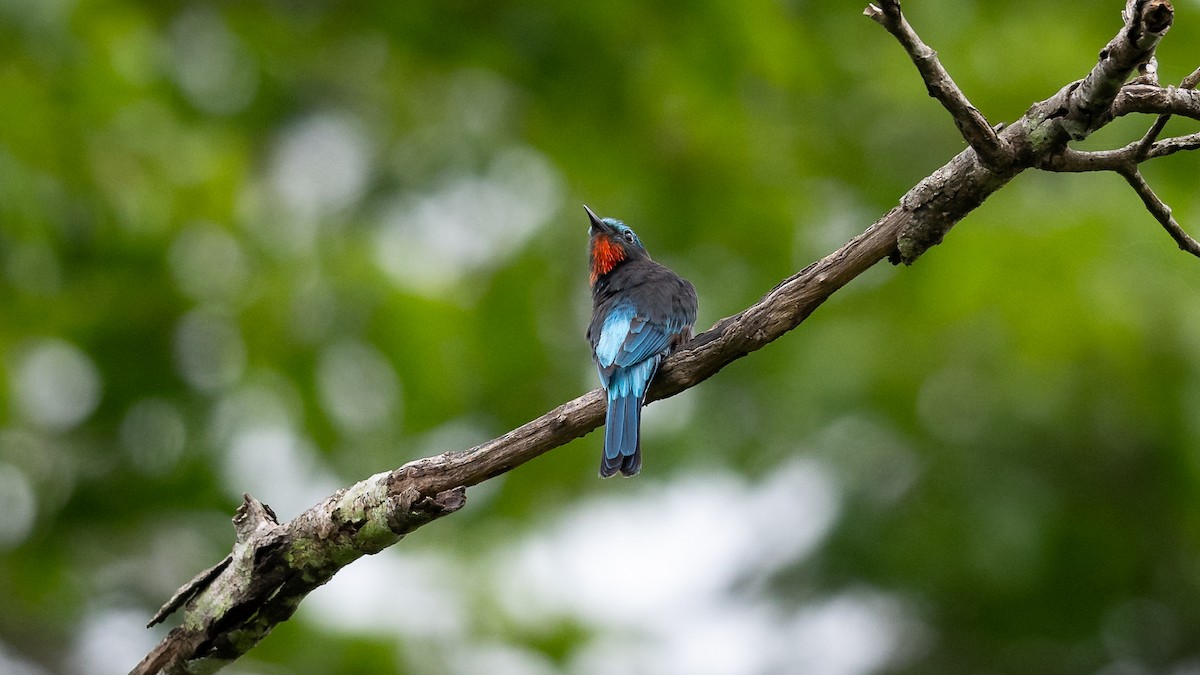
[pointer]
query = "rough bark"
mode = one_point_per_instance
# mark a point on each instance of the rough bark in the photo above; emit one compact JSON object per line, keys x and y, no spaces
{"x":228,"y":608}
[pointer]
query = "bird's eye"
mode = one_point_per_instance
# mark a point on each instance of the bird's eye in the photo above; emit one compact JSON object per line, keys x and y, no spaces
{"x":629,"y":236}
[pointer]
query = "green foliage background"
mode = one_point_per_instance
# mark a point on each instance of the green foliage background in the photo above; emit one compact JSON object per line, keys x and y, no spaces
{"x":280,"y":246}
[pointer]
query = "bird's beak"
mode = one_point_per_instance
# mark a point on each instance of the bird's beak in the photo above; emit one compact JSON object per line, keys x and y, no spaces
{"x":596,"y":223}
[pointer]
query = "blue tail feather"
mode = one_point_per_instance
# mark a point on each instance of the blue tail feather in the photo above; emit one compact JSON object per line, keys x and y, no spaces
{"x":622,"y":425}
{"x":614,"y":428}
{"x":622,"y":447}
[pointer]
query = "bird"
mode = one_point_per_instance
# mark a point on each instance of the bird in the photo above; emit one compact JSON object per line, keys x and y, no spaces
{"x":641,"y":312}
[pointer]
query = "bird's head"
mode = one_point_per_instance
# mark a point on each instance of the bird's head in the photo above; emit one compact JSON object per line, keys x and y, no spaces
{"x":611,"y":243}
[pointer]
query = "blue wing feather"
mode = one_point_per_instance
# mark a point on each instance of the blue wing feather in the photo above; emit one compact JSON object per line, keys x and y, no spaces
{"x":614,"y":333}
{"x":643,"y":342}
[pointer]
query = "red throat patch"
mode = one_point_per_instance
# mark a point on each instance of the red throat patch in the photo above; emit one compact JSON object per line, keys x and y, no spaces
{"x":606,"y":253}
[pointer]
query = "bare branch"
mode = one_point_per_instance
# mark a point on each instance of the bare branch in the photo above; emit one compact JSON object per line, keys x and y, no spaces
{"x":1145,"y":98}
{"x":1173,"y":145}
{"x":1160,"y":211}
{"x":1070,"y":160}
{"x":1087,"y":104}
{"x":1073,"y":113}
{"x":1151,"y":136}
{"x":273,"y":567}
{"x":1125,"y":162}
{"x":1191,"y":81}
{"x":1126,"y":158}
{"x":1143,"y":146}
{"x":993,"y":151}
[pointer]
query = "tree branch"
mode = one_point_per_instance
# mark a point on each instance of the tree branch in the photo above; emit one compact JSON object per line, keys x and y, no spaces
{"x":1125,"y":161}
{"x":1138,"y":98}
{"x":1125,"y":158}
{"x":993,"y":151}
{"x":1160,"y":211}
{"x":1144,"y":146}
{"x":273,"y":567}
{"x":230,"y":607}
{"x":1155,"y":100}
{"x":1171,"y":146}
{"x":1089,"y":101}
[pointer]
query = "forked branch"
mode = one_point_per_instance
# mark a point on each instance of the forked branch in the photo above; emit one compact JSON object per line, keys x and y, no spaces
{"x":993,"y":151}
{"x":1125,"y":161}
